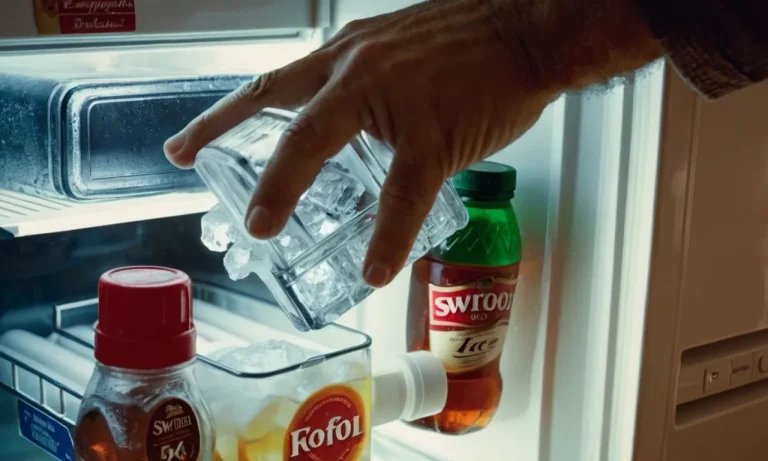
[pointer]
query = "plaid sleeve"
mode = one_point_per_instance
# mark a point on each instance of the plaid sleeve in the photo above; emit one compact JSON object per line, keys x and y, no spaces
{"x":719,"y":46}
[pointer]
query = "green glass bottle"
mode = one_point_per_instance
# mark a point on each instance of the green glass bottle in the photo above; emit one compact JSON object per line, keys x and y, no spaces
{"x":461,"y":297}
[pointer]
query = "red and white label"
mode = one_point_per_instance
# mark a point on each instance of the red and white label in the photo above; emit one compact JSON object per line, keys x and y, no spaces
{"x":85,"y":16}
{"x":329,"y":426}
{"x":468,"y":323}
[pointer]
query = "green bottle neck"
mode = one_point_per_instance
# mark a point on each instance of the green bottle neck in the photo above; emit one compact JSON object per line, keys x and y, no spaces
{"x":491,"y":238}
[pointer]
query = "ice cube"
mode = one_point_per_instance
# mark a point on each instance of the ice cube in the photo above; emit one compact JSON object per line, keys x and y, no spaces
{"x":218,"y":388}
{"x":217,"y":231}
{"x":254,"y":395}
{"x":244,"y":257}
{"x":276,"y":415}
{"x":336,"y":191}
{"x":319,"y":287}
{"x":265,"y":356}
{"x":316,"y":220}
{"x":268,"y":448}
{"x":226,"y":447}
{"x":291,"y":246}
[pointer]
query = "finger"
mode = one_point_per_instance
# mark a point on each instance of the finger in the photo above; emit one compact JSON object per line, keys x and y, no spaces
{"x":358,"y":30}
{"x":285,"y":88}
{"x":320,"y":131}
{"x":405,"y":201}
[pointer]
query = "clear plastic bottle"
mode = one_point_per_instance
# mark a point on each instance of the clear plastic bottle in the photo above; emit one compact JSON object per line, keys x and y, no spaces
{"x":142,"y":402}
{"x":461,"y":297}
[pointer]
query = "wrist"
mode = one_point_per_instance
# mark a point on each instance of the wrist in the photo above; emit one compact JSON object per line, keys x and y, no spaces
{"x":571,"y":44}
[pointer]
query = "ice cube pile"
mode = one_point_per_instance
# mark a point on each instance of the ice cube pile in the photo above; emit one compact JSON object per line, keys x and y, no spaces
{"x":253,"y":425}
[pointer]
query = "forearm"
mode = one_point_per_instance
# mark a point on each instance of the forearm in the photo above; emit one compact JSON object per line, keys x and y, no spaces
{"x":718,"y":45}
{"x":575,"y":43}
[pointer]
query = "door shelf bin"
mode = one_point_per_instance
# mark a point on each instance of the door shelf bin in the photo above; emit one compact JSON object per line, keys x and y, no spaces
{"x":39,"y":388}
{"x":60,"y":399}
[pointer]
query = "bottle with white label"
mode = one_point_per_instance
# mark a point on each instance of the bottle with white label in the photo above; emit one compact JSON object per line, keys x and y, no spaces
{"x":461,"y":298}
{"x":142,"y":402}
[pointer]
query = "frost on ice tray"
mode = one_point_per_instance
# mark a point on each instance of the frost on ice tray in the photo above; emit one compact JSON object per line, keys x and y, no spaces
{"x":217,"y":231}
{"x":243,"y":258}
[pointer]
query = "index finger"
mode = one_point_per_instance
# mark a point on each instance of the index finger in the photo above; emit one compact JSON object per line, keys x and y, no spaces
{"x":285,"y":88}
{"x":320,"y":131}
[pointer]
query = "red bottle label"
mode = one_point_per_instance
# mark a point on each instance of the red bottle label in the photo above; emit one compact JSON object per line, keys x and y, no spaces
{"x":85,"y":16}
{"x":173,"y":433}
{"x":468,"y":323}
{"x":329,"y":426}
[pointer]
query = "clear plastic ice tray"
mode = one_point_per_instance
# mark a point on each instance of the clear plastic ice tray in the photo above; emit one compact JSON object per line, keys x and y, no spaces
{"x":314,"y":267}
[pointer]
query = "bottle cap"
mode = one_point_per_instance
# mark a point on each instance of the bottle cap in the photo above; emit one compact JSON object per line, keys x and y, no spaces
{"x":145,"y":318}
{"x":486,"y":181}
{"x":418,"y":388}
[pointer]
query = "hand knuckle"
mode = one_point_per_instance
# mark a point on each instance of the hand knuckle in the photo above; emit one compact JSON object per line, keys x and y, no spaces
{"x":352,"y":27}
{"x":411,"y":200}
{"x":260,"y":86}
{"x":366,"y":57}
{"x":303,"y":132}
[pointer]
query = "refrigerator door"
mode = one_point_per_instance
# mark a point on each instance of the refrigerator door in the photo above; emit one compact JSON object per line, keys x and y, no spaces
{"x":703,"y":390}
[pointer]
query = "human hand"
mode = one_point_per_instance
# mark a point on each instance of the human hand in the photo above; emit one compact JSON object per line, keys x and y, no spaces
{"x":433,"y":81}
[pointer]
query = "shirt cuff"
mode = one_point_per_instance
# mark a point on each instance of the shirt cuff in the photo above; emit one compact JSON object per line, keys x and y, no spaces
{"x":716,"y":46}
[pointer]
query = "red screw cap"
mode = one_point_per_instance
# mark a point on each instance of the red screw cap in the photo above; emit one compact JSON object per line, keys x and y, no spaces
{"x":145,"y":318}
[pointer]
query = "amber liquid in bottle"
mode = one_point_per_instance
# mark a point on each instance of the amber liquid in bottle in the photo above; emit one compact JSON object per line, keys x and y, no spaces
{"x":460,"y":300}
{"x":473,"y":396}
{"x":95,"y":441}
{"x":123,"y":411}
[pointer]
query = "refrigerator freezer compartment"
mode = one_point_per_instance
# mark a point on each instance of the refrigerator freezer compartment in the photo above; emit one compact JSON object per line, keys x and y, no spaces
{"x":86,"y":139}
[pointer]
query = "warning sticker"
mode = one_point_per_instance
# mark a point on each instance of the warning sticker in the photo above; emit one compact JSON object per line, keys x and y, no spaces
{"x":45,"y":432}
{"x":64,"y":17}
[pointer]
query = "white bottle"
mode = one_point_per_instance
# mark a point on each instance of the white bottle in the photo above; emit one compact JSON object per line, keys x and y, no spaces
{"x":416,"y":388}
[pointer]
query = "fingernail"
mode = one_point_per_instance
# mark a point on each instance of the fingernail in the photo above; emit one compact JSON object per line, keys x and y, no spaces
{"x":175,"y":143}
{"x":377,"y":275}
{"x":259,"y":222}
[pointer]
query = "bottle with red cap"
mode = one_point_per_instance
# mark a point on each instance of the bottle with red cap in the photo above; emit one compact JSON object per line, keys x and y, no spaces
{"x":143,"y":402}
